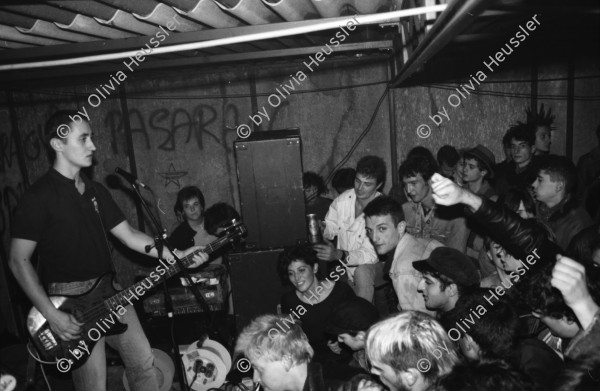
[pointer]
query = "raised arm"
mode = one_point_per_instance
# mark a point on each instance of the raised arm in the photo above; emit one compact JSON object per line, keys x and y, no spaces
{"x":568,"y":276}
{"x":446,"y":192}
{"x":518,"y":236}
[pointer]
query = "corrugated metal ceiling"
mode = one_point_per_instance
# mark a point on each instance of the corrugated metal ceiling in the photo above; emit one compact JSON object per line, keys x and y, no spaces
{"x":69,"y":30}
{"x":62,"y":22}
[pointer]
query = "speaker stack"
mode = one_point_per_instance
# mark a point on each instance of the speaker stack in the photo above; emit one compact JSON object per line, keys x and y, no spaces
{"x":269,"y":167}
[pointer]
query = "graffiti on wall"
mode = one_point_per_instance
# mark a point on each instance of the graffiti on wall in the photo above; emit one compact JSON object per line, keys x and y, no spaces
{"x":33,"y":148}
{"x":172,"y":176}
{"x":165,"y":129}
{"x":9,"y":197}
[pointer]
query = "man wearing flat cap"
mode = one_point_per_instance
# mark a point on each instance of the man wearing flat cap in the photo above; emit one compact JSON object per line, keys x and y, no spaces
{"x":478,"y":170}
{"x":447,"y":275}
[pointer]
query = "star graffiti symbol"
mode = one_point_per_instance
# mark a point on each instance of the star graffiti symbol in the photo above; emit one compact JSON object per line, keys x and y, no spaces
{"x":172,"y":176}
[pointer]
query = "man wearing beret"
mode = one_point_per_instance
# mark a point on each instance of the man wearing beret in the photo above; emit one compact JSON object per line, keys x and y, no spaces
{"x":447,"y":275}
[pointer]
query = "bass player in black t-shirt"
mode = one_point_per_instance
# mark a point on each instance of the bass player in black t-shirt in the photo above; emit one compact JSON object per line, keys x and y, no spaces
{"x":64,"y":216}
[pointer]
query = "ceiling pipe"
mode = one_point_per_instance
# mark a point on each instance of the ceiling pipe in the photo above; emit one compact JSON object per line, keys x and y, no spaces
{"x":328,"y":24}
{"x":447,"y":26}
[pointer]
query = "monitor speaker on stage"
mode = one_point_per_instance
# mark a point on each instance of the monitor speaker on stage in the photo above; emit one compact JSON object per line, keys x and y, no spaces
{"x":256,"y":286}
{"x":269,"y":167}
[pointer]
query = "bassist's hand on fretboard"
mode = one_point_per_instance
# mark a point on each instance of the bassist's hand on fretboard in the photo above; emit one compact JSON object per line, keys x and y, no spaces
{"x":197,"y":259}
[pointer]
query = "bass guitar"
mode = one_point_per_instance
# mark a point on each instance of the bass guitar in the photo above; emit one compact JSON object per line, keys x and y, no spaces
{"x":100,"y":308}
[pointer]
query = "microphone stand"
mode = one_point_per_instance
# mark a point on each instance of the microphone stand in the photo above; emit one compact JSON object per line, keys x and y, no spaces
{"x":161,"y":241}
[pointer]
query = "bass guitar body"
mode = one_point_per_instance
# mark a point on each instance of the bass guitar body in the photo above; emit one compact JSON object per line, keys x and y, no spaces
{"x":102,"y":306}
{"x":88,"y":308}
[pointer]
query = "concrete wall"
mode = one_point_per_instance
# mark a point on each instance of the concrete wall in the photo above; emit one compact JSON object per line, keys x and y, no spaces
{"x":470,"y":117}
{"x":183,"y":124}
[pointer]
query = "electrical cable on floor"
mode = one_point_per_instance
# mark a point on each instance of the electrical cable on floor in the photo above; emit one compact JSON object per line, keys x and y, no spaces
{"x":37,"y":358}
{"x":45,"y":378}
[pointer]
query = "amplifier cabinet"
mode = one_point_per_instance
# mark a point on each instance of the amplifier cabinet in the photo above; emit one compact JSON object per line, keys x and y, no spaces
{"x":269,"y":168}
{"x":255,"y":284}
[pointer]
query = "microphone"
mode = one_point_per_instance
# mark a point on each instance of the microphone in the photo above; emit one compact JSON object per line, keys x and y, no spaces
{"x":112,"y":166}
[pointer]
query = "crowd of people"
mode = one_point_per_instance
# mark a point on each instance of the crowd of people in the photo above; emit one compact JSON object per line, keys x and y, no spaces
{"x":471,"y":275}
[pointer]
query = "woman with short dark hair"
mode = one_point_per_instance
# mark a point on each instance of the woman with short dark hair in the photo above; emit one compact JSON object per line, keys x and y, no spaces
{"x":312,"y":301}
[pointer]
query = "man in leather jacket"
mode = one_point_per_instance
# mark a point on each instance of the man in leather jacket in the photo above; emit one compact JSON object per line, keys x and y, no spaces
{"x":521,"y":237}
{"x":554,"y":189}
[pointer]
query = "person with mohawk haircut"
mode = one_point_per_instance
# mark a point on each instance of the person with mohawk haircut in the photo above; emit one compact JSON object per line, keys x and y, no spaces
{"x":542,"y":120}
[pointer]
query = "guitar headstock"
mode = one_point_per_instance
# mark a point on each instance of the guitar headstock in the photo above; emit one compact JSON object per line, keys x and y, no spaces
{"x":235,"y":230}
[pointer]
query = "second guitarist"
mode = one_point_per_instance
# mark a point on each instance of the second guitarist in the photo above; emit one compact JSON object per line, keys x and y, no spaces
{"x":65,"y":216}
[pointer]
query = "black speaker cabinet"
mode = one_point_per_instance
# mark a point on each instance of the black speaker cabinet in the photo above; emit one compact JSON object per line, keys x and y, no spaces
{"x":255,"y":284}
{"x":269,"y":168}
